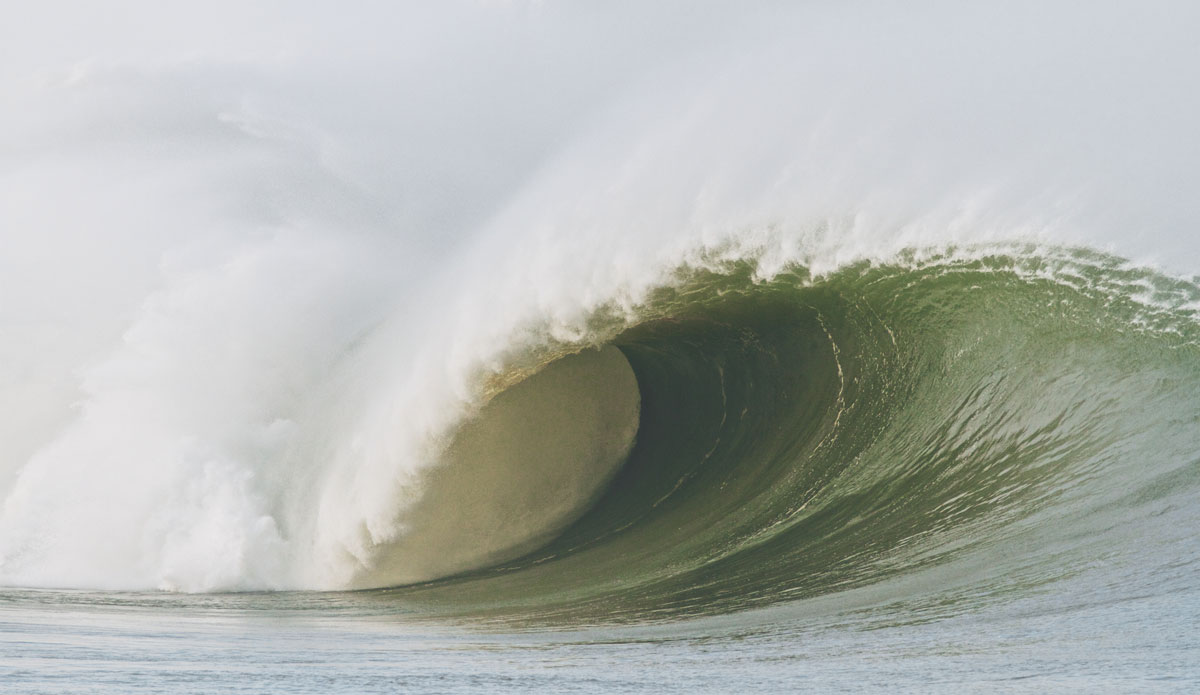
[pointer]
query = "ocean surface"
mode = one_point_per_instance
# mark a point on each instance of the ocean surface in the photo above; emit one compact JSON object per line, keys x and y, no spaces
{"x":538,"y":347}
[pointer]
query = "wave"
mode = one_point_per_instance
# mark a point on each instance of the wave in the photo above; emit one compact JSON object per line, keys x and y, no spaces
{"x":768,"y":305}
{"x":742,"y":434}
{"x":803,"y":435}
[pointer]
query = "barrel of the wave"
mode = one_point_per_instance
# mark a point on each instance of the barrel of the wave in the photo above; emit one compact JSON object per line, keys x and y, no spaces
{"x":802,"y":437}
{"x":512,"y":476}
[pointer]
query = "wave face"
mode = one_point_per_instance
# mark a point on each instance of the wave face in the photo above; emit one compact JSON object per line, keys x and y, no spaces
{"x":1021,"y":415}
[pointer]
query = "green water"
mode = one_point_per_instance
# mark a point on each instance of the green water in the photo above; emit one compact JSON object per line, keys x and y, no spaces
{"x":1007,"y":418}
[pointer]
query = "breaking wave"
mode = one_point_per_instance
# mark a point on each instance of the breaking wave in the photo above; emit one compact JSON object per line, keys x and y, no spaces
{"x":594,"y":314}
{"x":1024,"y":410}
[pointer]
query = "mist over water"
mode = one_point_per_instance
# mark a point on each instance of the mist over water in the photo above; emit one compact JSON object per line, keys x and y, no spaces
{"x":575,"y":314}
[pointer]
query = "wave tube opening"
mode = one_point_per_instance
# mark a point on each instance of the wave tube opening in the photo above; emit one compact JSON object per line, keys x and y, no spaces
{"x":532,"y":461}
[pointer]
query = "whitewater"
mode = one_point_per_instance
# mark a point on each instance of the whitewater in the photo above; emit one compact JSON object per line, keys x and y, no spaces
{"x":676,"y":346}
